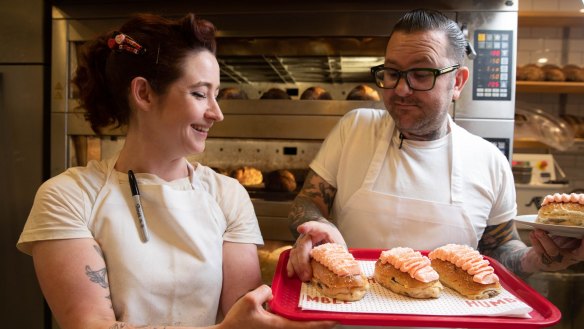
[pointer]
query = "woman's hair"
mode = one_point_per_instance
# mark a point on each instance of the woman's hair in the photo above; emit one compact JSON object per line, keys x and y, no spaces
{"x":420,"y":20}
{"x":106,"y":67}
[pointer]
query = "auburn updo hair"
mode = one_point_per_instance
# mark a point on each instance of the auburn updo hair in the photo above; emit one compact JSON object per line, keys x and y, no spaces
{"x":103,"y":74}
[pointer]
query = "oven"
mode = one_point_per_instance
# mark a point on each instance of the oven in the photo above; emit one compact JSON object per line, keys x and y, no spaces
{"x":292,"y":46}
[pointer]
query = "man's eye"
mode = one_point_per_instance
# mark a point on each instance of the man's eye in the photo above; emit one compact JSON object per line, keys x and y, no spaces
{"x":421,"y":74}
{"x":391,"y":74}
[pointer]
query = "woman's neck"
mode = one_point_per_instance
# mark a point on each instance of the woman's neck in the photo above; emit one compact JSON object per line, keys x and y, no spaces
{"x":142,"y":158}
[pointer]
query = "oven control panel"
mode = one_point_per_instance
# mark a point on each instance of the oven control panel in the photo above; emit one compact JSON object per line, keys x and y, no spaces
{"x":492,"y":65}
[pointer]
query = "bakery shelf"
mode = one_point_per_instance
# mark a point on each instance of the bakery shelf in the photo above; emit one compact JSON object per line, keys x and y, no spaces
{"x":550,"y":19}
{"x":550,"y":87}
{"x":524,"y":143}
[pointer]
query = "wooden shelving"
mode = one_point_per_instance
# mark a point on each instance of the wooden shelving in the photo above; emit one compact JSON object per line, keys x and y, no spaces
{"x":550,"y":19}
{"x":550,"y":87}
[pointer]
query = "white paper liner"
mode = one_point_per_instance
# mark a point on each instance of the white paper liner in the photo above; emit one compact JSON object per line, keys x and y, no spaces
{"x":381,"y":300}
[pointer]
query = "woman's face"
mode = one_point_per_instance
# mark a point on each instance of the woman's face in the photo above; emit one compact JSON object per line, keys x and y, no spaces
{"x":189,"y":109}
{"x":420,"y":113}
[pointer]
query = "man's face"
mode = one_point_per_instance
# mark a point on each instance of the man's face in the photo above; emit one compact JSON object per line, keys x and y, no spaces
{"x":421,"y":114}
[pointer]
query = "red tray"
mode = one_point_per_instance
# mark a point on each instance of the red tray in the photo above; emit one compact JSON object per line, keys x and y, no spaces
{"x":286,"y":293}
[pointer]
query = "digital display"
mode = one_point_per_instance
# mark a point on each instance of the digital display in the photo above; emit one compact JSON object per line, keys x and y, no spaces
{"x":502,"y":144}
{"x":492,"y":65}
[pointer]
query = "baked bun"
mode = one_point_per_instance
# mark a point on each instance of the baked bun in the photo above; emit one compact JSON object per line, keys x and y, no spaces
{"x":554,"y":74}
{"x":406,"y":272}
{"x":530,"y":72}
{"x":573,"y":73}
{"x":562,"y":209}
{"x":231,"y":93}
{"x":248,"y":176}
{"x":363,"y":93}
{"x":275,"y":93}
{"x":315,"y":93}
{"x":280,"y":180}
{"x":466,"y":271}
{"x":336,"y":273}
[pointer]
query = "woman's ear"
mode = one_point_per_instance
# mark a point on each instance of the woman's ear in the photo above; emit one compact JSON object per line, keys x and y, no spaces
{"x":141,"y":93}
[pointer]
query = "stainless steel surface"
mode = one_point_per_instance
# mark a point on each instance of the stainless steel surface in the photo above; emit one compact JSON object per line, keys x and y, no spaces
{"x":22,"y":71}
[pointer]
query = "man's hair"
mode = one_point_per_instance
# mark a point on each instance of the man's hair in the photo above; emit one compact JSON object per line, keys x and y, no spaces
{"x":420,"y":20}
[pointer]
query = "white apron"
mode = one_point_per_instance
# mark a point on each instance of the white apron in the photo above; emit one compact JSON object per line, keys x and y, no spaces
{"x":372,"y":219}
{"x":176,"y":277}
{"x":378,"y":220}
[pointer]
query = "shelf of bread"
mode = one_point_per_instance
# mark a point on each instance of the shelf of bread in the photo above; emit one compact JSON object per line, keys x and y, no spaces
{"x":550,"y":87}
{"x":550,"y":19}
{"x":525,"y":143}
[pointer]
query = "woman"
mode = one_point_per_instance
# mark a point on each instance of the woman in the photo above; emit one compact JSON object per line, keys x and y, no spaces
{"x":196,"y":255}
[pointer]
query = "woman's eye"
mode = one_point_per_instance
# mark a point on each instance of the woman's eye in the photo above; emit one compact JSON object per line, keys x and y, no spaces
{"x":198,"y":94}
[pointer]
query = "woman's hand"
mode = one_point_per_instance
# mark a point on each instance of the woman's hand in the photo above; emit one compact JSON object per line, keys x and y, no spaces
{"x":311,"y":234}
{"x":248,"y":312}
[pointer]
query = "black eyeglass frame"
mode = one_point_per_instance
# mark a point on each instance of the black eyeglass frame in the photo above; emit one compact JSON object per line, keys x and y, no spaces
{"x":435,"y":72}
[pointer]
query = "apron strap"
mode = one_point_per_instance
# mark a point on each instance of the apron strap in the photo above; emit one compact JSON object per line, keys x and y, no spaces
{"x":456,"y":177}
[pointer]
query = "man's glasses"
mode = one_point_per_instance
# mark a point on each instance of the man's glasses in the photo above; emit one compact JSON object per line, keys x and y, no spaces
{"x":420,"y":79}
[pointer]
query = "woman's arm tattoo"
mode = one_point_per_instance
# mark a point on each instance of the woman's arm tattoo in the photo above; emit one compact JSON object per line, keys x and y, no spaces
{"x":98,"y":276}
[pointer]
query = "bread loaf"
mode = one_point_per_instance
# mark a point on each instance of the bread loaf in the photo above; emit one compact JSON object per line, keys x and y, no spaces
{"x":363,"y":93}
{"x":315,"y":93}
{"x":336,"y":273}
{"x":463,"y":269}
{"x":280,"y":180}
{"x":248,"y":176}
{"x":406,"y":272}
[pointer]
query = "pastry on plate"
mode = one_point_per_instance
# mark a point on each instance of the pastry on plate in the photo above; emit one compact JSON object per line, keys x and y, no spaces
{"x":464,"y":269}
{"x":336,"y":273}
{"x":407,"y":272}
{"x":562,"y":209}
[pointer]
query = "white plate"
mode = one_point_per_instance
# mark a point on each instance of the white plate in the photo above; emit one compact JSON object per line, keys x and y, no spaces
{"x":569,"y":231}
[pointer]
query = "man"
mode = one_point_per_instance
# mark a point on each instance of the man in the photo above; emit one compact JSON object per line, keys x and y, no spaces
{"x":411,"y":177}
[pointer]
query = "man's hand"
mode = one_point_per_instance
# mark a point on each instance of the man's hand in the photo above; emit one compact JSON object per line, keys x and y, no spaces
{"x":311,"y":234}
{"x":552,"y":253}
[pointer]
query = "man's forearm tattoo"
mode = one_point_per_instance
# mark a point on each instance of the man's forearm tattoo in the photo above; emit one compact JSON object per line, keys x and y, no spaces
{"x":303,"y":210}
{"x":306,"y":205}
{"x":502,"y":243}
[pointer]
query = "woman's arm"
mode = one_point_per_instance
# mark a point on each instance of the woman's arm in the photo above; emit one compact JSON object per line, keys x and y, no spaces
{"x":241,"y":272}
{"x":73,"y":277}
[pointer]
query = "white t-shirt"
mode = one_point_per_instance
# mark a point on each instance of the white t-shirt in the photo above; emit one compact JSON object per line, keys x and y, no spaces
{"x":419,"y":170}
{"x":176,"y":277}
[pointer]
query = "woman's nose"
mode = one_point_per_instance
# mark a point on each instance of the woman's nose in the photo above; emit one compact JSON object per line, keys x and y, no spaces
{"x":215,"y":112}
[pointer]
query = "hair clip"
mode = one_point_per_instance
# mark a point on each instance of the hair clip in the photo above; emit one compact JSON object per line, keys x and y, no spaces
{"x":123,"y":42}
